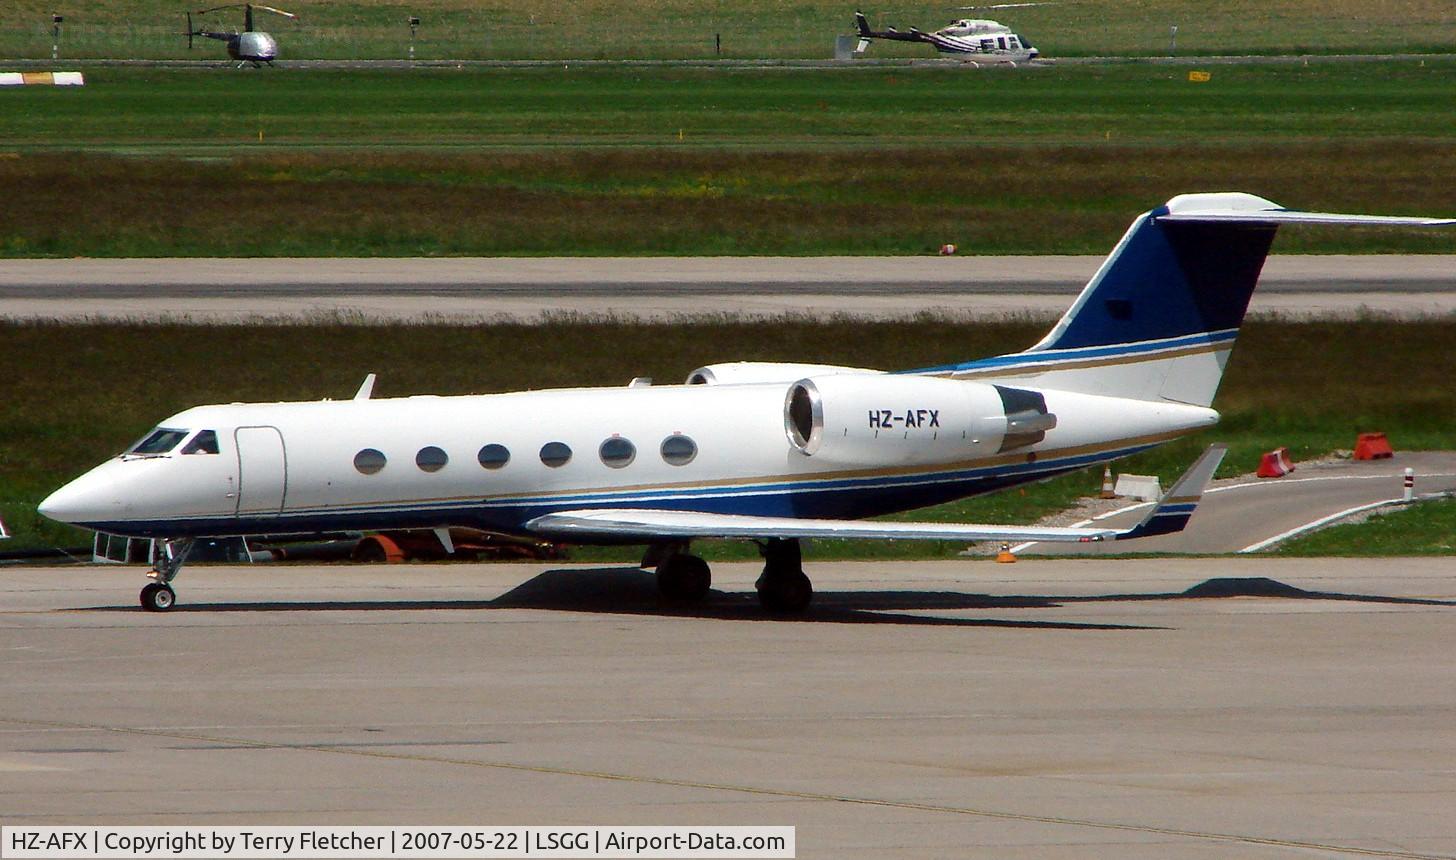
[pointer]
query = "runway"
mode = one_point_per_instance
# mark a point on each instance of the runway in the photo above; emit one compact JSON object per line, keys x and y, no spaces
{"x":1071,"y":708}
{"x":466,"y":290}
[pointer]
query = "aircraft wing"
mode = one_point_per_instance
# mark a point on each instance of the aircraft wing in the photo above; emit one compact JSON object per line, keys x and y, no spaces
{"x":1171,"y":514}
{"x":655,"y":524}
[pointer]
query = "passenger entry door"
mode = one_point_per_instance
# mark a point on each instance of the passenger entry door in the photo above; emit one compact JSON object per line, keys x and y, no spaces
{"x":262,"y":471}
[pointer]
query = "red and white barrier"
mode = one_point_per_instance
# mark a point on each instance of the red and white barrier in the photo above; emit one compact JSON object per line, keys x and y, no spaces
{"x":1372,"y":446}
{"x":1275,"y":464}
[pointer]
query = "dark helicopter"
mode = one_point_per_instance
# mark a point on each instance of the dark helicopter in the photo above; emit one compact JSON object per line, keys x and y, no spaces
{"x":249,"y":46}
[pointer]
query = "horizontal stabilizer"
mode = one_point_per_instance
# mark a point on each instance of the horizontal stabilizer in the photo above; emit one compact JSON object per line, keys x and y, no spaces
{"x":1249,"y":209}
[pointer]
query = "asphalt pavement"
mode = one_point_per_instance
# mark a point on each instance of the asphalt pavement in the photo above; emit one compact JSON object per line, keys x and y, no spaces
{"x":471,"y":289}
{"x":1059,"y":708}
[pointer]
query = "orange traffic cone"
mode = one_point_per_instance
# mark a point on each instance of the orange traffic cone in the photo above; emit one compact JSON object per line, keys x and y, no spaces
{"x":1005,"y":556}
{"x":1107,"y":490}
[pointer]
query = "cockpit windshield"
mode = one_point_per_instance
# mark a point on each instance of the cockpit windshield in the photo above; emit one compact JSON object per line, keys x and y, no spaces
{"x":205,"y":442}
{"x":159,"y":441}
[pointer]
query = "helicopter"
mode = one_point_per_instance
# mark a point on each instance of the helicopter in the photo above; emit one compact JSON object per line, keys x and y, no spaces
{"x":249,"y":46}
{"x":966,"y":36}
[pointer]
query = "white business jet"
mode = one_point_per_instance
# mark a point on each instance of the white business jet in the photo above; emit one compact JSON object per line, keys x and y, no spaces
{"x":773,"y":453}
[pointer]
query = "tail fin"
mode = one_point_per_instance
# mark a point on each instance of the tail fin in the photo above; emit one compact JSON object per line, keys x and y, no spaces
{"x":862,"y":24}
{"x":1159,"y":318}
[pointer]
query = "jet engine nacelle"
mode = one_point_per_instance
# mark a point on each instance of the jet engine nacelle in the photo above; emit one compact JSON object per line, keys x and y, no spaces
{"x":891,"y":419}
{"x":740,"y":372}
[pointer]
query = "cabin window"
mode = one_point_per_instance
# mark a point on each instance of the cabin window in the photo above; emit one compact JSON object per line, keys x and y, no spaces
{"x":617,"y":452}
{"x":1013,"y":43}
{"x":679,"y":450}
{"x":369,"y":461}
{"x":431,"y":459}
{"x":494,"y":456}
{"x":555,"y":454}
{"x":159,"y":441}
{"x":203,"y":443}
{"x":1001,"y":42}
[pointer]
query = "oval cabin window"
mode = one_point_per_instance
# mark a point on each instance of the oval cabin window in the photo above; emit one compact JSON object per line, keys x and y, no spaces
{"x":555,"y":454}
{"x":617,"y":452}
{"x":369,"y":461}
{"x":679,"y":450}
{"x":494,"y":456}
{"x":431,"y":459}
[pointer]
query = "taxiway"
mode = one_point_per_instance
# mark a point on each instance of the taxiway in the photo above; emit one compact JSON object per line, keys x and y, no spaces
{"x":471,"y":289}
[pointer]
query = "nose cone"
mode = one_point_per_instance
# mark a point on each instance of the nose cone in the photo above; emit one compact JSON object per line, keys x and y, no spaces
{"x":75,"y":503}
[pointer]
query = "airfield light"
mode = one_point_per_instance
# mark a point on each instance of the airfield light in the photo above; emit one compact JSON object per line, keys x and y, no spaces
{"x":55,"y":35}
{"x":414,"y":24}
{"x":1172,"y":40}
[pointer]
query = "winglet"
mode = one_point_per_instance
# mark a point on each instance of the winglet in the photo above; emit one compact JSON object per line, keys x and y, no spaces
{"x":1174,"y":509}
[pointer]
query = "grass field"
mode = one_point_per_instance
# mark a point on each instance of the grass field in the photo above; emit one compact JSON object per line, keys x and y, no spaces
{"x":681,"y":161}
{"x":464,"y":29}
{"x":1425,"y":529}
{"x":76,"y":394}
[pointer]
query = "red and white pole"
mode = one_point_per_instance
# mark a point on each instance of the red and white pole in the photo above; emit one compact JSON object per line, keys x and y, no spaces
{"x":1410,"y":485}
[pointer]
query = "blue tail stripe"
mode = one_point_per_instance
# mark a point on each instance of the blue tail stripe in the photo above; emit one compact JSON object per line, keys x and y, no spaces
{"x":1169,"y":279}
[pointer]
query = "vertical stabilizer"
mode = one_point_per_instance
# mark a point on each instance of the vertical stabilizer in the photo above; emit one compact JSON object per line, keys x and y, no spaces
{"x":1159,"y":318}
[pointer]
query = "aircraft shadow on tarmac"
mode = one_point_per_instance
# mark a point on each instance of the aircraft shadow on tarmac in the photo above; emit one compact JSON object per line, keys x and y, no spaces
{"x":633,"y":591}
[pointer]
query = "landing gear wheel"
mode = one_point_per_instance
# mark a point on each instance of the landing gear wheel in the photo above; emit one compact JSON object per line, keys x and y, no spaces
{"x":783,"y":587}
{"x":683,"y":578}
{"x":787,"y":593}
{"x":158,"y":597}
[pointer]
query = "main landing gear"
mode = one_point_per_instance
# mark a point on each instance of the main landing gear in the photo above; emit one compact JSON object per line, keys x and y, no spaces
{"x":683,"y":578}
{"x":782,"y":589}
{"x":158,"y":596}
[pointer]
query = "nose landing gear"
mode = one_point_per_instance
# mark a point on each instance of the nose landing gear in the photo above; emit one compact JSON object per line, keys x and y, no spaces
{"x":158,"y":596}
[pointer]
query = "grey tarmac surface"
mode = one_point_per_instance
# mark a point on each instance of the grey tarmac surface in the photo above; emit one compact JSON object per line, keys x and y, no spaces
{"x":471,"y":289}
{"x":1237,"y":513}
{"x":1053,"y":708}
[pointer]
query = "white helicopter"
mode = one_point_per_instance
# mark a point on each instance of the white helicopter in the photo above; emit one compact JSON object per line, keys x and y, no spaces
{"x":769,"y":452}
{"x":976,"y":37}
{"x":249,"y":46}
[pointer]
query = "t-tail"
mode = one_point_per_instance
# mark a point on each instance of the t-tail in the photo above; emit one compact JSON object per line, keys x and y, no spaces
{"x":1158,"y":320}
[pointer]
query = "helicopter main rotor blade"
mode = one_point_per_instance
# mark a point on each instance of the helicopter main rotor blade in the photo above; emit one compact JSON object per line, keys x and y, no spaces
{"x":1006,"y":6}
{"x":275,"y":11}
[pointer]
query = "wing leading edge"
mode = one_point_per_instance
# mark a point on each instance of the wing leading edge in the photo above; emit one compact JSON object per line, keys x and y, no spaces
{"x":1171,"y":514}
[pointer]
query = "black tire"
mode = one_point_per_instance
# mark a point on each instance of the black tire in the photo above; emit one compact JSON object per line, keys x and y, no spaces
{"x":785,"y":593}
{"x":684,"y":578}
{"x":158,"y":597}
